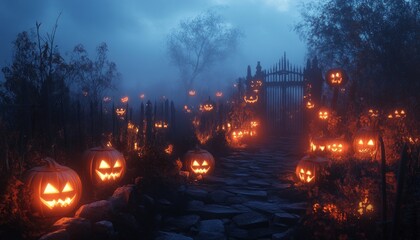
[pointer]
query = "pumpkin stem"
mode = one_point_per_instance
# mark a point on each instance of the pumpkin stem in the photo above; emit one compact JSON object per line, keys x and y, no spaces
{"x":51,"y":163}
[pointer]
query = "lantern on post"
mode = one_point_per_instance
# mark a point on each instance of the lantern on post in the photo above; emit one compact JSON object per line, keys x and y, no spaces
{"x":335,"y":77}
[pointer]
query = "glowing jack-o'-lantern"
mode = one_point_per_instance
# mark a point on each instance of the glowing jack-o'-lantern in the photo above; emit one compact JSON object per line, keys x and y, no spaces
{"x":373,"y":113}
{"x":191,"y":93}
{"x":105,"y":165}
{"x":336,"y":77}
{"x":309,"y":104}
{"x":365,"y":142}
{"x":199,"y":161}
{"x":334,"y":146}
{"x":251,"y":98}
{"x":323,"y":114}
{"x":397,"y":114}
{"x":308,"y":168}
{"x":219,"y":94}
{"x":56,"y":189}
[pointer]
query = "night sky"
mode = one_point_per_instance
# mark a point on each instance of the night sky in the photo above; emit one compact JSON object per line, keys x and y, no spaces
{"x":135,"y":32}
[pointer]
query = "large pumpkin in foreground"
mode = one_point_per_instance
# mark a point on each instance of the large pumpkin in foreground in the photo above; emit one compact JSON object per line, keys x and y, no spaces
{"x":199,"y":161}
{"x":105,"y":165}
{"x":56,"y":189}
{"x":308,"y":168}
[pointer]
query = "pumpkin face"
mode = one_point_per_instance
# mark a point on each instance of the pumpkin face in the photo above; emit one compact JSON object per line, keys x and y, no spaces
{"x":373,"y":113}
{"x":191,"y":92}
{"x":333,"y":146}
{"x":307,"y":170}
{"x":309,"y":104}
{"x":323,"y":114}
{"x":365,"y":142}
{"x":56,"y":189}
{"x":251,"y":98}
{"x":219,"y":94}
{"x":199,"y":161}
{"x":397,"y":114}
{"x":106,"y":165}
{"x":336,"y":77}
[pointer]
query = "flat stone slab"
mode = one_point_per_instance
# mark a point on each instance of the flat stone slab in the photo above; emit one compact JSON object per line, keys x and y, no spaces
{"x":197,"y":193}
{"x":219,"y":196}
{"x":265,"y":207}
{"x":182,"y":222}
{"x":252,"y":193}
{"x":259,"y":182}
{"x":250,"y":220}
{"x":285,"y":218}
{"x":212,"y":225}
{"x":210,"y":211}
{"x":171,"y":236}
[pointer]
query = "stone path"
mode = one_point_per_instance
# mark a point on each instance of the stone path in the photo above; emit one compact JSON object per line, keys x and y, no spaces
{"x":250,"y":195}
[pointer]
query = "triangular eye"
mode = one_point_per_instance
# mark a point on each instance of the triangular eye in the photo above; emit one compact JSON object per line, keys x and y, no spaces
{"x":361,"y":142}
{"x":302,"y":171}
{"x":103,"y":165}
{"x":50,"y":189}
{"x":340,"y":145}
{"x":204,"y":163}
{"x":117,"y":164}
{"x":196,"y":164}
{"x":68,"y":188}
{"x":370,"y":143}
{"x":308,"y":173}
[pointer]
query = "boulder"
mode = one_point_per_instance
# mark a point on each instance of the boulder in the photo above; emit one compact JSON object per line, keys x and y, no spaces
{"x":122,"y":197}
{"x":104,"y":230}
{"x":95,"y":211}
{"x":61,"y":234}
{"x":76,"y":227}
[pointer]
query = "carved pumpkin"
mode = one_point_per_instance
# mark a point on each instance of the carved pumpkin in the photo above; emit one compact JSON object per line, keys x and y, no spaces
{"x":56,"y":189}
{"x":251,"y":98}
{"x":333,"y":146}
{"x":191,"y":92}
{"x":199,"y":161}
{"x":219,"y":94}
{"x":365,"y":142}
{"x":397,"y":114}
{"x":105,"y":165}
{"x":307,"y":170}
{"x":336,"y":77}
{"x":323,"y":114}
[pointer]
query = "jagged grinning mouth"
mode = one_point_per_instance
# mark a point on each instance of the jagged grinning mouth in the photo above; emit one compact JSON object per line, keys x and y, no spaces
{"x":108,"y":176}
{"x":201,"y":170}
{"x":61,"y":203}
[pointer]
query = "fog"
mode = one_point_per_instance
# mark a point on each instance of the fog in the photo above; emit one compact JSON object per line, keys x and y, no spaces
{"x":135,"y":32}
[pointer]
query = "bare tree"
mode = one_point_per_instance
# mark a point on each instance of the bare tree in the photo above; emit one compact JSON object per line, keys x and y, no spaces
{"x":199,"y":42}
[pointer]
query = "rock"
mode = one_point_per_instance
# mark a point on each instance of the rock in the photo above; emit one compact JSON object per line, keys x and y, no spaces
{"x":171,"y":236}
{"x":285,"y":218}
{"x":251,"y":193}
{"x":61,"y":234}
{"x":250,"y":220}
{"x":211,"y":229}
{"x":279,"y":236}
{"x":219,"y":196}
{"x":95,"y":211}
{"x":126,"y":226}
{"x":76,"y":227}
{"x":104,"y":230}
{"x":196,"y":193}
{"x":138,"y":180}
{"x":259,"y":183}
{"x":214,"y":211}
{"x":213,"y":225}
{"x":183,"y":223}
{"x":266,"y":207}
{"x":238,"y":233}
{"x":122,"y":197}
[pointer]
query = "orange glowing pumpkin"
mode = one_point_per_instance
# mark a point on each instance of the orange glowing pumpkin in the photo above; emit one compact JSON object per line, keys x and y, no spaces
{"x":323,"y":114}
{"x":105,"y":165}
{"x":334,"y":146}
{"x":56,"y":189}
{"x":199,"y":161}
{"x":336,"y":77}
{"x":365,"y":143}
{"x":308,"y":168}
{"x":251,"y":98}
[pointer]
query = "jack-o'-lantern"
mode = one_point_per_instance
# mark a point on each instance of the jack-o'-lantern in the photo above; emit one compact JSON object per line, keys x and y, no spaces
{"x":251,"y":98}
{"x":308,"y":168}
{"x":161,"y":124}
{"x":365,"y":142}
{"x":333,"y":146}
{"x":56,"y":189}
{"x":373,"y":113}
{"x":336,"y":77}
{"x":323,"y":114}
{"x":309,"y":104}
{"x":219,"y":94}
{"x":199,"y":161}
{"x":191,"y":93}
{"x":105,"y":165}
{"x":398,"y":114}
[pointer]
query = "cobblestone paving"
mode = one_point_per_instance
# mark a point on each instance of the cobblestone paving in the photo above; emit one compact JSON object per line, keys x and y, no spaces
{"x":250,"y":195}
